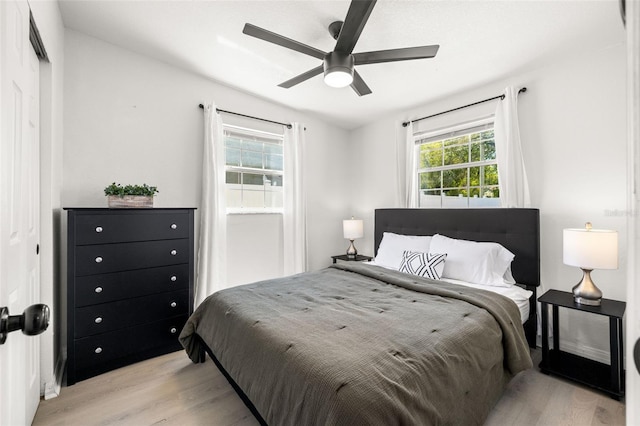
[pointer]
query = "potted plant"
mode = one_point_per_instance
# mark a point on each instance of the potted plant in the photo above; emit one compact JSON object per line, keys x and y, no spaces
{"x":130,"y":196}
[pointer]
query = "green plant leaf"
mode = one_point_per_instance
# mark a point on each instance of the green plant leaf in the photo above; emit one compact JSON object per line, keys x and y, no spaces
{"x":120,"y":191}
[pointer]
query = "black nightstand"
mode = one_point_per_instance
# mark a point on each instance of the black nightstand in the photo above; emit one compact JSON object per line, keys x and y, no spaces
{"x":606,"y":378}
{"x":358,"y":258}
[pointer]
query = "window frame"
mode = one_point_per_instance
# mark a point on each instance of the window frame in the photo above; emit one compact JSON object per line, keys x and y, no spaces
{"x":441,"y":135}
{"x":245,"y":131}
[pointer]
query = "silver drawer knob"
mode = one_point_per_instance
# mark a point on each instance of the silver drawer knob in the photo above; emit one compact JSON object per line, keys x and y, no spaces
{"x":98,"y":259}
{"x":98,"y":350}
{"x":98,"y":229}
{"x":174,"y":304}
{"x":98,"y":320}
{"x":173,"y":330}
{"x":174,"y":252}
{"x":174,"y":278}
{"x":98,"y":290}
{"x":174,"y":226}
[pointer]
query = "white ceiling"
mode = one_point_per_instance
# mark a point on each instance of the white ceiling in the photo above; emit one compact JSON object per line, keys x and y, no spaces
{"x":480,"y":41}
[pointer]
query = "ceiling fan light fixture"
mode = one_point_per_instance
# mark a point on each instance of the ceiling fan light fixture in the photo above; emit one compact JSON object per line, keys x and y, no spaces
{"x":338,"y":69}
{"x":338,"y":78}
{"x":339,"y":65}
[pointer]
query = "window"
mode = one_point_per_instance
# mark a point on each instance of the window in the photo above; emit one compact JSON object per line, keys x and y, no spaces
{"x":458,"y":167}
{"x":254,"y":169}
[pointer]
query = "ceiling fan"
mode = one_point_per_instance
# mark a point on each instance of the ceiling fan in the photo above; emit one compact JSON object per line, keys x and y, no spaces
{"x":338,"y":65}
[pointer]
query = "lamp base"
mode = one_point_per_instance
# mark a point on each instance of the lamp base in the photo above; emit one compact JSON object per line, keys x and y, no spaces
{"x":352,"y":252}
{"x":584,"y":301}
{"x":586,"y":292}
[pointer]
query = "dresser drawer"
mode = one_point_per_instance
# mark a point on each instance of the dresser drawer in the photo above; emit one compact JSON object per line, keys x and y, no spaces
{"x":92,"y":352}
{"x":95,"y":319}
{"x":130,"y":226}
{"x":103,"y":258}
{"x":103,"y":288}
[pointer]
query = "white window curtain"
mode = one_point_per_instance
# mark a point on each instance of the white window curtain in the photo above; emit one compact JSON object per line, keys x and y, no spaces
{"x":512,"y":177}
{"x":212,"y":259}
{"x":295,"y":216}
{"x":410,"y":169}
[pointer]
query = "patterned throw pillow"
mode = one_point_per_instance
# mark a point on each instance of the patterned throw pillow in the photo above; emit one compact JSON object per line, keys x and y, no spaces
{"x":429,"y":265}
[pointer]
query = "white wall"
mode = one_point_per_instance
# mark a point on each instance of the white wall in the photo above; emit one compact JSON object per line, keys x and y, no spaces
{"x":374,"y":182}
{"x":573,"y":128}
{"x":263,"y":256}
{"x":49,"y":23}
{"x":132,"y":119}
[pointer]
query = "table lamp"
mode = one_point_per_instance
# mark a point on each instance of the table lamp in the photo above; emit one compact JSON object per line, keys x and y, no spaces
{"x":589,"y":249}
{"x":352,"y":229}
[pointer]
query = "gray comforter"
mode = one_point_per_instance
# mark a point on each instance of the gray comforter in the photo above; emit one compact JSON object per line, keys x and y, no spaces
{"x":358,"y":344}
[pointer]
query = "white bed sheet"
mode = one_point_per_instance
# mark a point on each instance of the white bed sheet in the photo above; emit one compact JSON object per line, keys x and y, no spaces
{"x":519,"y":295}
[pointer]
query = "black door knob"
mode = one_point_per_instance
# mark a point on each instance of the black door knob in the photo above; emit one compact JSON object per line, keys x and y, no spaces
{"x":34,"y":320}
{"x":636,"y":355}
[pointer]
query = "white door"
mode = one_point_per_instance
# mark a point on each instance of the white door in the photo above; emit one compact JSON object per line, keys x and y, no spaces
{"x":633,"y":285}
{"x":19,"y":210}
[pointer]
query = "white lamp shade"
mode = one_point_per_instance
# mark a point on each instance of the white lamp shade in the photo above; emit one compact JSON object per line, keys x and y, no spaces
{"x":590,"y":248}
{"x":353,"y":228}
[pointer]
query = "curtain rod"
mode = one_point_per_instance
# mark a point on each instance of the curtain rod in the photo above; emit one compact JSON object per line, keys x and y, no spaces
{"x":249,"y":116}
{"x":406,"y":123}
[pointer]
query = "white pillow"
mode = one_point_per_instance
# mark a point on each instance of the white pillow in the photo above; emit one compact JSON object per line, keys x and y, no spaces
{"x":393,"y":246}
{"x":423,"y":264}
{"x":508,"y":276}
{"x":474,"y":262}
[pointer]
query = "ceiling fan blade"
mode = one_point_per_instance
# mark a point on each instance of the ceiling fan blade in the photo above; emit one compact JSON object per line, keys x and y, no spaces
{"x":357,"y":17}
{"x":405,"y":54}
{"x":274,"y":38}
{"x":358,"y":85}
{"x":302,"y":77}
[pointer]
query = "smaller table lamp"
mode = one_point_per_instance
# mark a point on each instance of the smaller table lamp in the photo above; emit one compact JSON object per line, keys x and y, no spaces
{"x":589,"y":249}
{"x":352,"y":229}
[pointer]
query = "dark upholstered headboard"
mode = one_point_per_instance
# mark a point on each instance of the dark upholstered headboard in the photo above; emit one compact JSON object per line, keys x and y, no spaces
{"x":516,"y":229}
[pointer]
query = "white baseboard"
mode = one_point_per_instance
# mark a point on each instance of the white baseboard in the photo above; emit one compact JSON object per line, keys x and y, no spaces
{"x":583,"y":351}
{"x":587,"y":352}
{"x":52,"y":389}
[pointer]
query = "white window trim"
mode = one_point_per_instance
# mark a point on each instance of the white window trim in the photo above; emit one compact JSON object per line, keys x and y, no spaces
{"x":253,"y":170}
{"x":252,"y":211}
{"x":452,"y":129}
{"x":445,"y":133}
{"x":253,"y":132}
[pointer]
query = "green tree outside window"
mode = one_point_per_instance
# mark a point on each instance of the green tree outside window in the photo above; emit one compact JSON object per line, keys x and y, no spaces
{"x":460,"y":166}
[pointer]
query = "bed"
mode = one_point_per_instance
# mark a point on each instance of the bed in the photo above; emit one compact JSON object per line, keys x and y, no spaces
{"x":362,"y":344}
{"x":516,"y":229}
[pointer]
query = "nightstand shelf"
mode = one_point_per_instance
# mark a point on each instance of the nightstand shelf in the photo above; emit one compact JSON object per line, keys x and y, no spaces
{"x":608,"y":378}
{"x":358,"y":258}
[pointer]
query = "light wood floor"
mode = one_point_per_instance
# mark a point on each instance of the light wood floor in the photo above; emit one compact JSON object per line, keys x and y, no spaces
{"x":170,"y":390}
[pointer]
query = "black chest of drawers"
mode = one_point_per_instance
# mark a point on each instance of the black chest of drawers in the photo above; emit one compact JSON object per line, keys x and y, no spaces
{"x":129,"y":286}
